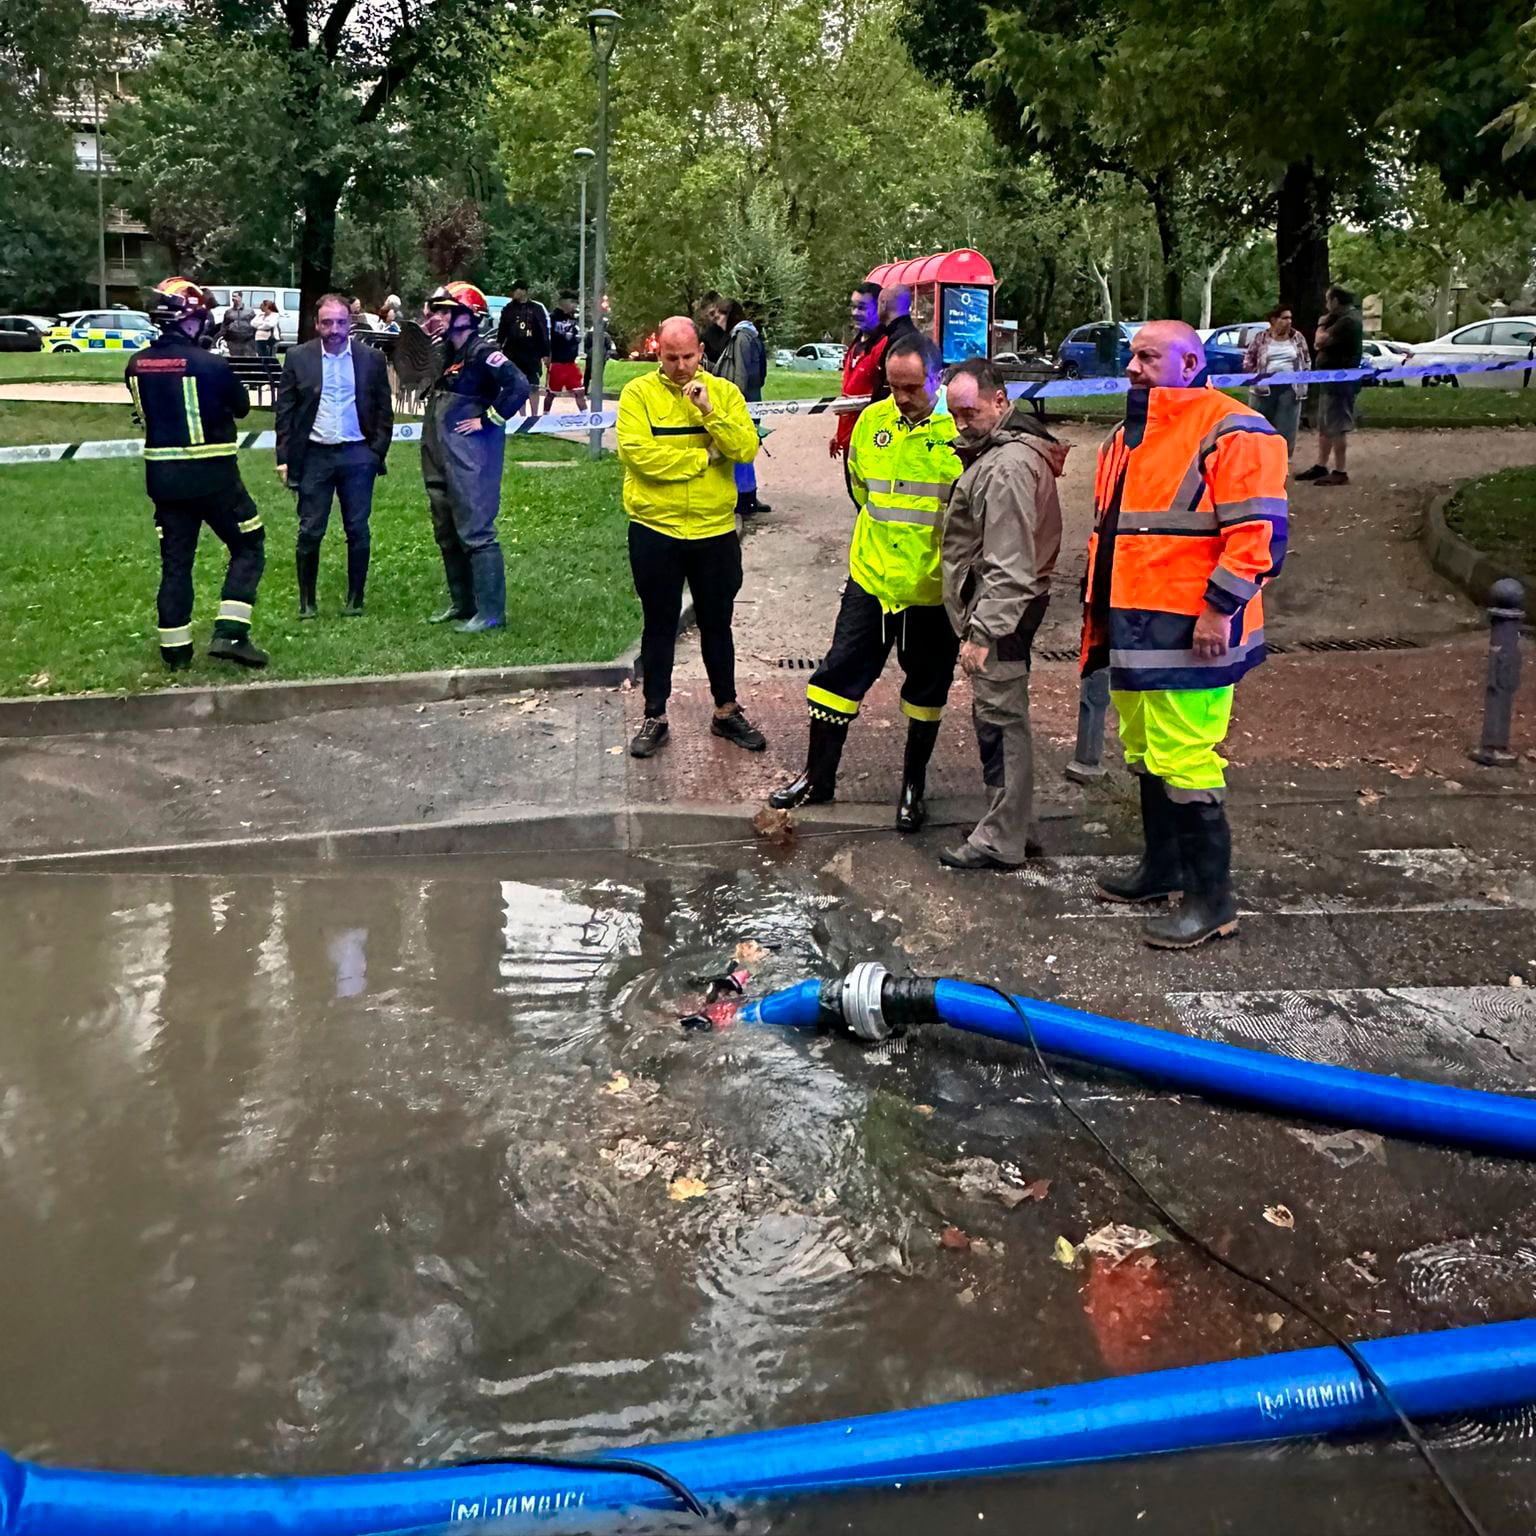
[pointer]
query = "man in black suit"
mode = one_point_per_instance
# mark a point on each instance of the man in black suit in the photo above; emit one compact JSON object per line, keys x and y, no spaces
{"x":335,"y":418}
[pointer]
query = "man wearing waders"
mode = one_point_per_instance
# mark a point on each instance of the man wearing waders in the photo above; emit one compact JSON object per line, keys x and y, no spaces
{"x":463,"y":444}
{"x":189,"y":401}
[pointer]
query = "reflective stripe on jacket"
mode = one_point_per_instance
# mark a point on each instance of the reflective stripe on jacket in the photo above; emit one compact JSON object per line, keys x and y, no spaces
{"x":189,"y":401}
{"x":1190,"y":511}
{"x":902,"y":476}
{"x":680,"y":466}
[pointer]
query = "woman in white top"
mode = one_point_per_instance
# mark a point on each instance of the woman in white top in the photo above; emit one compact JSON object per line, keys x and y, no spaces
{"x":268,"y":321}
{"x":1279,"y":349}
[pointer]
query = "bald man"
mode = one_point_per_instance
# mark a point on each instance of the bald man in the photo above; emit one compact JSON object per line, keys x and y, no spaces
{"x":681,"y":435}
{"x":895,"y":311}
{"x":1190,"y":523}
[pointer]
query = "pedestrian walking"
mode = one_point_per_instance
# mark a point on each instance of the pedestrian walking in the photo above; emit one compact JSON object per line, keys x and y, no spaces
{"x":744,"y":361}
{"x":238,"y":328}
{"x":902,"y":468}
{"x":564,"y":349}
{"x":335,"y":417}
{"x":267,"y":327}
{"x":1002,"y":534}
{"x":861,"y":367}
{"x":680,"y":434}
{"x":1340,"y":341}
{"x":478,"y":389}
{"x":1278,"y":348}
{"x":1190,"y":524}
{"x":189,"y":401}
{"x":523,"y":334}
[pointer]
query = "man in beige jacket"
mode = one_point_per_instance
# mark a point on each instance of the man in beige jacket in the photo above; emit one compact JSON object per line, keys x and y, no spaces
{"x":1002,"y":533}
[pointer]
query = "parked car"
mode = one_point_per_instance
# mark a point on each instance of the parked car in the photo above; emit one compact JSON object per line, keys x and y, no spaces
{"x":1484,"y":341}
{"x":814,"y":357}
{"x":1381,"y":355}
{"x":100,"y":330}
{"x":1084,"y":353}
{"x":1226,"y":344}
{"x":286,"y":299}
{"x":24,"y":333}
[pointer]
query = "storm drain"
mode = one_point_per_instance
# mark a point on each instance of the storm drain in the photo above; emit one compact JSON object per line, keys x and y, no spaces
{"x":799,"y":663}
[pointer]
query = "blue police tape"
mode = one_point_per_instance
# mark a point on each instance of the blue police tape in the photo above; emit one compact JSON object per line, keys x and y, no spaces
{"x":586,"y":421}
{"x":1285,"y":1396}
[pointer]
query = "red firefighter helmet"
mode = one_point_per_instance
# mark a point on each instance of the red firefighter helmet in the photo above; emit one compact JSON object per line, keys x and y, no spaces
{"x":458,"y":295}
{"x":178,"y":298}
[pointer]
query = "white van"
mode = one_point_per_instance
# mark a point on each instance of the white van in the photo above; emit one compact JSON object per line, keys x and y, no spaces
{"x":286,"y":299}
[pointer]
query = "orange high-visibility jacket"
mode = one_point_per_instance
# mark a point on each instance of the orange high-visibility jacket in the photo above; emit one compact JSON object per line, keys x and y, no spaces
{"x":1190,"y":510}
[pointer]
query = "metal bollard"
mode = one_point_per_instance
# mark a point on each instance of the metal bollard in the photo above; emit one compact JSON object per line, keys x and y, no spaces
{"x":1506,"y":611}
{"x":1092,"y":705}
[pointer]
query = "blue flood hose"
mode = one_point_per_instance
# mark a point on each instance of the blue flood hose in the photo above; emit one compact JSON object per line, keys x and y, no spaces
{"x":1398,"y":1106}
{"x":1282,"y":1396}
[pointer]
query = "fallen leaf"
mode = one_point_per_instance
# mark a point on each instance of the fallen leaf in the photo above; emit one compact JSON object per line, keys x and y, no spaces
{"x":750,"y":952}
{"x":777,"y":827}
{"x":614,"y":751}
{"x":686,"y":1189}
{"x":1279,"y":1216}
{"x":967,"y":1297}
{"x":528,"y":706}
{"x":618,"y":1083}
{"x":1037,"y":1190}
{"x":1064,"y":1253}
{"x":1117,"y":1241}
{"x":1274,"y":1322}
{"x":924,"y":1109}
{"x":1368,"y":796}
{"x":954,"y":1239}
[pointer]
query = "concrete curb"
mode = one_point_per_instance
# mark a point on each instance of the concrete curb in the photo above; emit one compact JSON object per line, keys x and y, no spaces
{"x":614,"y":828}
{"x":1463,"y":563}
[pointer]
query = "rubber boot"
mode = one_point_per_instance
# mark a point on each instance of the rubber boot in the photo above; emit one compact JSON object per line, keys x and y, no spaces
{"x":912,"y":809}
{"x":490,"y":584}
{"x":357,"y":579}
{"x":307,"y":562}
{"x":461,"y":602}
{"x":1208,"y":910}
{"x":818,"y":784}
{"x":177,"y":658}
{"x":1160,"y":873}
{"x":237,"y":648}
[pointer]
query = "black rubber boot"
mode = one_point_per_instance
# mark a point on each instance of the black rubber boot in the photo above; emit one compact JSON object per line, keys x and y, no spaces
{"x":912,"y":809}
{"x":307,"y":562}
{"x":357,"y":579}
{"x":177,"y":658}
{"x":1161,"y":871}
{"x":818,"y":784}
{"x":1208,"y":910}
{"x":237,"y":648}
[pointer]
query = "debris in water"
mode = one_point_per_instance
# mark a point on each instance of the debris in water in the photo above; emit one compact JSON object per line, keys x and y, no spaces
{"x":750,"y":952}
{"x":686,"y":1189}
{"x":954,"y":1239}
{"x":924,"y":1109}
{"x":1117,"y":1241}
{"x":1345,"y":1148}
{"x":1065,"y":1254}
{"x":1279,"y":1216}
{"x":618,"y":1083}
{"x":1274,"y":1322}
{"x":776,"y":827}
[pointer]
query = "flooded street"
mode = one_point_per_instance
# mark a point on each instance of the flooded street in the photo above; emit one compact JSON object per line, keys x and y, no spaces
{"x":310,"y":1174}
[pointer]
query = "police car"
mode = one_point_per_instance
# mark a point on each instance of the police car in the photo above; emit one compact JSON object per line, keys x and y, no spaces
{"x":100,"y":330}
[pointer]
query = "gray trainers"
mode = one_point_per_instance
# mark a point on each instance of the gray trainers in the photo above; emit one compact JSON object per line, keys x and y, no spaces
{"x":650,"y":738}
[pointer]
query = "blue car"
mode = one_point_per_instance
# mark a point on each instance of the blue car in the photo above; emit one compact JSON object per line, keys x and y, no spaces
{"x":1224,"y":347}
{"x":1098,"y":351}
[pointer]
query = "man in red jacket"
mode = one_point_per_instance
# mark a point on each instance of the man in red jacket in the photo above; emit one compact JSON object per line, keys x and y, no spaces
{"x":861,"y":366}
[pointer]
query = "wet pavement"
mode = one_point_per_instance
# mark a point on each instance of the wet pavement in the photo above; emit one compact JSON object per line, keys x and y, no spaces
{"x":382,"y":1168}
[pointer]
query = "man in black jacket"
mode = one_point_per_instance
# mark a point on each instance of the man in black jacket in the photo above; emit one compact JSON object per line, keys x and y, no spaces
{"x":335,"y":418}
{"x":895,"y":322}
{"x":523,"y":334}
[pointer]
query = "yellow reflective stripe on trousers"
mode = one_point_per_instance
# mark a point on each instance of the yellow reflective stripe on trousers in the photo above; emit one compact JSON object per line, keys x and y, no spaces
{"x":921,"y":711}
{"x":230,"y":609}
{"x":193,"y":409}
{"x":180,"y":634}
{"x":201,"y":451}
{"x":833,"y":701}
{"x":250,"y":525}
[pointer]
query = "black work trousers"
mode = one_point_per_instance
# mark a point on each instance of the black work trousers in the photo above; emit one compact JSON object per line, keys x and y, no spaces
{"x":926,"y":647}
{"x":236,"y":522}
{"x":712,"y":569}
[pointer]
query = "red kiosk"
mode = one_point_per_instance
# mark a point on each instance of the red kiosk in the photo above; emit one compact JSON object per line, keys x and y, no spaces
{"x":951,"y":298}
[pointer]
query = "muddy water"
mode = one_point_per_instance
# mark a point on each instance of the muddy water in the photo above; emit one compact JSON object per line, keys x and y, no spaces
{"x":306,"y":1175}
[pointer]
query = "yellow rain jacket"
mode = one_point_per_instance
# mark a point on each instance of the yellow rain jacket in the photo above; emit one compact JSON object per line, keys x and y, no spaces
{"x":679,"y":465}
{"x":902,"y":477}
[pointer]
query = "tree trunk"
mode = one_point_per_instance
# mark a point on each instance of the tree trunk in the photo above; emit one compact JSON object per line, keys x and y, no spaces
{"x":1208,"y":284}
{"x":317,"y":247}
{"x":1106,"y":298}
{"x":1301,"y":243}
{"x":1160,"y":191}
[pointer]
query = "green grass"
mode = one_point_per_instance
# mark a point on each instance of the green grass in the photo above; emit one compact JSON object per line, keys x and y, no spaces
{"x":1377,"y":407}
{"x":82,"y":567}
{"x":1498,"y":516}
{"x":47,"y":421}
{"x":63,"y":368}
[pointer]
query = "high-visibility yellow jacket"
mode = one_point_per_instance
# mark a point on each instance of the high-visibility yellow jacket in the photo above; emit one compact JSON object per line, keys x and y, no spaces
{"x":679,"y":465}
{"x":902,"y":476}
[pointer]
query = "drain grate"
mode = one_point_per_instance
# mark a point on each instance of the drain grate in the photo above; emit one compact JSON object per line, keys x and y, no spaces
{"x":798,"y":663}
{"x":1071,"y":655}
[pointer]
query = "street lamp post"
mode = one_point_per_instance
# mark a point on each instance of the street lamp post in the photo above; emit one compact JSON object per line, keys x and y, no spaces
{"x":583,"y":159}
{"x":603,"y":25}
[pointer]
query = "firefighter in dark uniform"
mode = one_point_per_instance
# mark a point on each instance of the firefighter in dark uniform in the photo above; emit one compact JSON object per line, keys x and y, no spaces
{"x":189,"y":401}
{"x":463,"y":444}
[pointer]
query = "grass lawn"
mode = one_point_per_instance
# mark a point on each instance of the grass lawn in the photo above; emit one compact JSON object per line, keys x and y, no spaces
{"x":82,"y":566}
{"x":1378,"y":407}
{"x":1498,"y":516}
{"x":63,"y":367}
{"x":47,"y":421}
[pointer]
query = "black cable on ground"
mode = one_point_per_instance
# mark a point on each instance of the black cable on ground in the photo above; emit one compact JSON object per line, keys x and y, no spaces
{"x":623,"y":1464}
{"x":1295,"y":1303}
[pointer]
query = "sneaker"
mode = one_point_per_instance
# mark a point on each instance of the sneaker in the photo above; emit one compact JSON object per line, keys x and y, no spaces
{"x":1338,"y":477}
{"x":650,"y":738}
{"x":1315,"y":473}
{"x":735,"y":727}
{"x":476,"y":626}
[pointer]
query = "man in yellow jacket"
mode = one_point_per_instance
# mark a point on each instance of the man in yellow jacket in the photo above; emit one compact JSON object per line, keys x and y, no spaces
{"x":901,"y":470}
{"x":681,"y":435}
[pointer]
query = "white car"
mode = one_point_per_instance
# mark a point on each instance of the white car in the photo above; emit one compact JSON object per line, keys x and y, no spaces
{"x":286,"y":299}
{"x":1509,"y":339}
{"x":815,"y":357}
{"x":1382,"y":355}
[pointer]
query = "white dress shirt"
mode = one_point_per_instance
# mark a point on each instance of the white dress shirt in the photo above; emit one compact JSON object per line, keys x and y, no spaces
{"x":336,"y":420}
